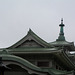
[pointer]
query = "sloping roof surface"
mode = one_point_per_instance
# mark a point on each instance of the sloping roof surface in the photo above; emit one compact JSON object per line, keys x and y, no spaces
{"x":63,"y":43}
{"x":37,"y":38}
{"x":33,"y":67}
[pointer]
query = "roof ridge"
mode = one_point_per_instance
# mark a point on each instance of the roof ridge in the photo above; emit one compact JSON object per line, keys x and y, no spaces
{"x":44,"y":42}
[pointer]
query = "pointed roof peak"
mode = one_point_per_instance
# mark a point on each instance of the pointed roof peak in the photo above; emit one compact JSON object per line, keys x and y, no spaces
{"x":30,"y":30}
{"x":61,"y":20}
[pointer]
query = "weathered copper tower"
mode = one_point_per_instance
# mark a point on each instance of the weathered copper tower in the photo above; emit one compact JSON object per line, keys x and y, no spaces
{"x":61,"y":34}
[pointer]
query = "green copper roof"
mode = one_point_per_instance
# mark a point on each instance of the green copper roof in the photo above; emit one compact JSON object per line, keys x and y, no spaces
{"x":61,"y":34}
{"x":19,"y":60}
{"x":59,"y":72}
{"x":28,"y":50}
{"x":61,"y":38}
{"x":62,"y":43}
{"x":37,"y":39}
{"x":32,"y":50}
{"x":53,"y":71}
{"x":31,"y":66}
{"x":64,"y":58}
{"x":57,"y":53}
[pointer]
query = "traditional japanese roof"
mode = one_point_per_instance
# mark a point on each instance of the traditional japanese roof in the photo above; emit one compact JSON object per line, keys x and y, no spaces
{"x":32,"y":50}
{"x":59,"y":72}
{"x":58,"y":55}
{"x":14,"y":58}
{"x":27,"y":46}
{"x":40,"y":43}
{"x":51,"y":71}
{"x":61,"y":41}
{"x":33,"y":44}
{"x":31,"y":36}
{"x":65,"y":60}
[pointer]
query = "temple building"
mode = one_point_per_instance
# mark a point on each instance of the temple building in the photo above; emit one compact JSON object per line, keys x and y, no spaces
{"x":34,"y":56}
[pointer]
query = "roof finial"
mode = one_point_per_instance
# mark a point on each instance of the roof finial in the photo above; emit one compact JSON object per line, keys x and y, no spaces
{"x":61,"y":20}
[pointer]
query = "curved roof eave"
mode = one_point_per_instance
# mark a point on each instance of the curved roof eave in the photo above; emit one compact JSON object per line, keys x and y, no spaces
{"x":66,"y":60}
{"x":33,"y":50}
{"x":62,"y":43}
{"x":20,"y":60}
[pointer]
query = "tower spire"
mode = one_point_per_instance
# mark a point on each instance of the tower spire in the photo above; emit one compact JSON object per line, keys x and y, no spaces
{"x":61,"y":20}
{"x":61,"y":34}
{"x":61,"y":27}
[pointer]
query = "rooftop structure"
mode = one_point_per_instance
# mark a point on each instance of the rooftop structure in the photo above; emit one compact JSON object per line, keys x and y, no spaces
{"x":34,"y":56}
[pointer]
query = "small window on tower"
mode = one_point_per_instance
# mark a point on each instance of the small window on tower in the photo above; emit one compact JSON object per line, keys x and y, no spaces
{"x":43,"y":64}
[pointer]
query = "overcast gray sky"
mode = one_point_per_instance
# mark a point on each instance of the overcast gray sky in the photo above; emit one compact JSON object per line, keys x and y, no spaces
{"x":42,"y":16}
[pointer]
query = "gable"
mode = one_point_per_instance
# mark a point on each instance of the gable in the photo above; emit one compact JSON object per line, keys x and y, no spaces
{"x":31,"y":40}
{"x":29,"y":43}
